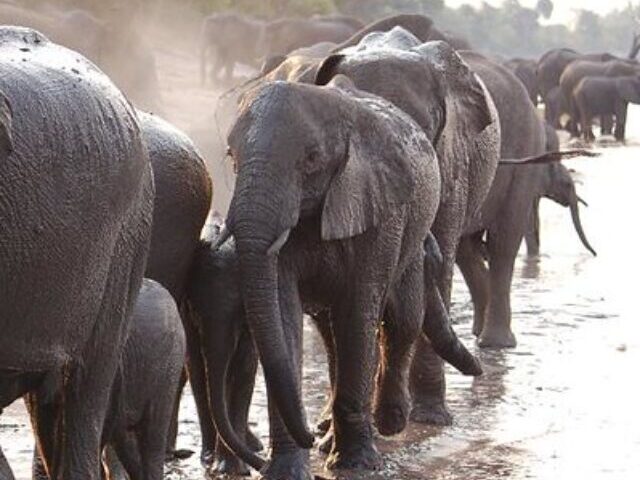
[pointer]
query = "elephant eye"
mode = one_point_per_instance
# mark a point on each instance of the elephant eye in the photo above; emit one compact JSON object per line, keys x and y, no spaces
{"x":234,"y":163}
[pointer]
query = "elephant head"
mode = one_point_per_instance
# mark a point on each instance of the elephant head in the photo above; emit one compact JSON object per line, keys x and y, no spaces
{"x":560,"y":187}
{"x":6,"y":137}
{"x":629,"y":88}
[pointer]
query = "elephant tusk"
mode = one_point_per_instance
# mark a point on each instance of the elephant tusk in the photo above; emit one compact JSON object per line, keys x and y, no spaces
{"x":279,"y":243}
{"x":225,"y":234}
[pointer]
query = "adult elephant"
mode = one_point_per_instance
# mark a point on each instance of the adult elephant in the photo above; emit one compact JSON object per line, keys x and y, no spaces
{"x":555,"y":107}
{"x":503,"y":220}
{"x":229,"y":38}
{"x":605,"y":96}
{"x":432,"y":84}
{"x":525,"y":70}
{"x":287,"y":34}
{"x":77,"y":195}
{"x":581,"y":69}
{"x":420,"y":26}
{"x":301,"y":152}
{"x":181,"y":204}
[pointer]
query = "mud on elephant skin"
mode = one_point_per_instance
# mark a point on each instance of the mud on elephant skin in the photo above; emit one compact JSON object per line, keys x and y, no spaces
{"x":451,"y":105}
{"x":92,"y":235}
{"x":278,"y":147}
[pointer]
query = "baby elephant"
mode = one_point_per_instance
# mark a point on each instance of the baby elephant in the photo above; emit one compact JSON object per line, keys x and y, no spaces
{"x":145,"y":388}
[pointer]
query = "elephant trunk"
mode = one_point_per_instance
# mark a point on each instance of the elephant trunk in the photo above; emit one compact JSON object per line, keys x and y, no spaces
{"x":217,"y":373}
{"x":260,"y":291}
{"x":577,"y":224}
{"x":444,"y":340}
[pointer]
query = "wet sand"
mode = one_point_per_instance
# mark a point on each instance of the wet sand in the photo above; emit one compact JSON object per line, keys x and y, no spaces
{"x":561,"y":405}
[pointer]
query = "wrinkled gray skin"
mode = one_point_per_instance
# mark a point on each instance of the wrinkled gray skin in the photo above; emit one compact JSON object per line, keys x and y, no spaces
{"x":145,"y":388}
{"x":420,"y":26}
{"x":525,"y":70}
{"x":433,"y":85}
{"x":605,"y":96}
{"x":318,"y":170}
{"x":68,"y":134}
{"x":580,"y":69}
{"x":181,"y":205}
{"x":215,"y":301}
{"x":147,"y":384}
{"x":505,"y":215}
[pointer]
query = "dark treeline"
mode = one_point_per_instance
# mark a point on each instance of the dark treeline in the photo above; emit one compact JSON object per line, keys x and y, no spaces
{"x":509,"y":30}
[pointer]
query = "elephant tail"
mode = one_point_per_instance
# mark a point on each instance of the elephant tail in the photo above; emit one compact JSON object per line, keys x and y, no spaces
{"x":549,"y":157}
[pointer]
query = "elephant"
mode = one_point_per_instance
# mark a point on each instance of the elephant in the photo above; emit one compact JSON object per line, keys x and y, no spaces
{"x":353,"y":22}
{"x":232,"y":38}
{"x":77,"y":192}
{"x":505,"y":215}
{"x":605,"y":96}
{"x":319,"y":168}
{"x":420,"y":26}
{"x":137,"y":422}
{"x":580,"y":69}
{"x":180,"y":209}
{"x":436,"y":88}
{"x":555,"y":106}
{"x":525,"y":70}
{"x":297,"y":62}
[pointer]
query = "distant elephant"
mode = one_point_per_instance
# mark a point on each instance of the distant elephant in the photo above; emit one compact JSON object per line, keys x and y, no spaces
{"x":296,"y":63}
{"x":229,"y":38}
{"x":420,"y":26}
{"x":335,"y":17}
{"x":432,"y":84}
{"x":505,"y":215}
{"x":525,"y":70}
{"x":581,"y":69}
{"x":321,"y":171}
{"x":181,"y":204}
{"x":556,"y":105}
{"x":605,"y":96}
{"x":77,"y":193}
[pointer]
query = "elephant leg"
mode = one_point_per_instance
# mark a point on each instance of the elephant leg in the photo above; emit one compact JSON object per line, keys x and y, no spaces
{"x":46,"y":419}
{"x":427,"y":379}
{"x":402,"y":325}
{"x":532,"y":237}
{"x":502,"y":247}
{"x":198,"y":380}
{"x":242,"y":372}
{"x":354,"y":327}
{"x":322,"y":321}
{"x":113,"y":469}
{"x":472,"y":265}
{"x":5,"y":469}
{"x":126,"y":450}
{"x":606,"y":124}
{"x":621,"y":122}
{"x":287,"y":460}
{"x":172,"y":434}
{"x":152,"y":436}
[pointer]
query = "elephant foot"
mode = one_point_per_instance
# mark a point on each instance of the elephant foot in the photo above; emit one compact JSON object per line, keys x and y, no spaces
{"x":288,"y":466}
{"x":178,"y":454}
{"x":431,"y":412}
{"x":391,"y":417}
{"x":497,"y":338}
{"x":230,"y":466}
{"x":253,"y":442}
{"x":361,"y":455}
{"x":326,"y":443}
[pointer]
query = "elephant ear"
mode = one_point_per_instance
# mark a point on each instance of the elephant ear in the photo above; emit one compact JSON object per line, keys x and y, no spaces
{"x":376,"y":179}
{"x":6,"y":137}
{"x":327,"y":69}
{"x":463,"y":86}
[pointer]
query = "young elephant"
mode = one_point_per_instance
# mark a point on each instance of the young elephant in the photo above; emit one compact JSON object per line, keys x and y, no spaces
{"x":319,"y":171}
{"x":145,"y":388}
{"x":605,"y":96}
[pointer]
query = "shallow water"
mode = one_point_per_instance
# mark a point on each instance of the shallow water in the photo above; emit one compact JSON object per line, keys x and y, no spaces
{"x":562,"y":404}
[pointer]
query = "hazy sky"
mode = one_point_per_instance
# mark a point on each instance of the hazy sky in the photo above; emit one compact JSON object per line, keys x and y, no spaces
{"x":563,"y":9}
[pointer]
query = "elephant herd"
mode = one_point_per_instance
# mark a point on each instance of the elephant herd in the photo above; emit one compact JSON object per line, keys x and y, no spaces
{"x":583,"y":87}
{"x":365,"y":171}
